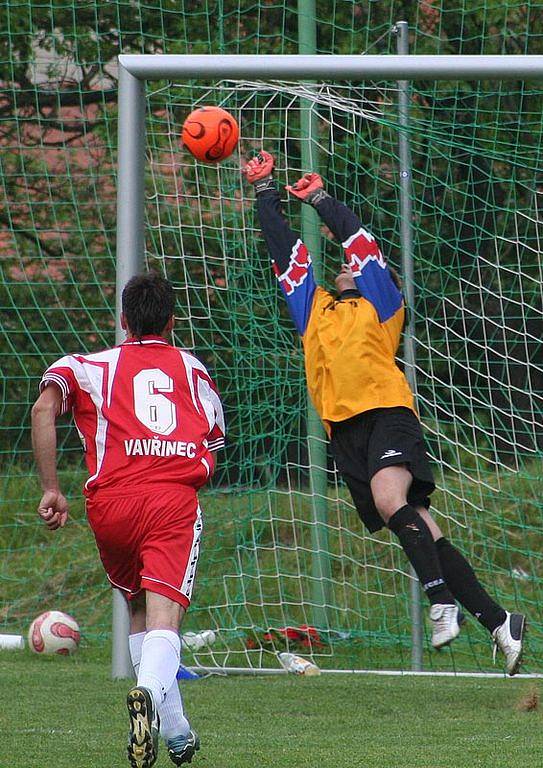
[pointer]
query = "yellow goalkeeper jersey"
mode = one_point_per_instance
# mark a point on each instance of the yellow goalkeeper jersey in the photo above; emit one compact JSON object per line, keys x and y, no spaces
{"x":350,"y":358}
{"x":349,"y":343}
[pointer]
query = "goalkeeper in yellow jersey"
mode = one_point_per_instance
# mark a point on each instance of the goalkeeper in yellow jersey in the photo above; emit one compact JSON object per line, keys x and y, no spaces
{"x":350,"y":340}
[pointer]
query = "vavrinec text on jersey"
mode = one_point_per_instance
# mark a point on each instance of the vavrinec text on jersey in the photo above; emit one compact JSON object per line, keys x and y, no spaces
{"x":154,"y":447}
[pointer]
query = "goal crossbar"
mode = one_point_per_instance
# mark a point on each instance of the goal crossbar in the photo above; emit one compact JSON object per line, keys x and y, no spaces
{"x":299,"y":67}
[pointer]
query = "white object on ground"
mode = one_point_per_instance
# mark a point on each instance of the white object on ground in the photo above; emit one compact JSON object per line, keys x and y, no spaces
{"x":194,"y":641}
{"x":11,"y":642}
{"x":298,"y":665}
{"x":54,"y":632}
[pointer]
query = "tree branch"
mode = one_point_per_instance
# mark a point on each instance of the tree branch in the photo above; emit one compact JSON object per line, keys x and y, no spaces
{"x":32,"y":237}
{"x":57,"y":99}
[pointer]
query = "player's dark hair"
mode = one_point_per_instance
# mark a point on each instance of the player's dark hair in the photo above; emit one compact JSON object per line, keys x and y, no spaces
{"x":396,"y":279}
{"x":148,"y":302}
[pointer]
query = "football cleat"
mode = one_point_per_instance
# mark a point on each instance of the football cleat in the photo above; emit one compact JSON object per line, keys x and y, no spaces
{"x":181,"y":749}
{"x":144,"y":724}
{"x":509,"y":639}
{"x":446,"y":620}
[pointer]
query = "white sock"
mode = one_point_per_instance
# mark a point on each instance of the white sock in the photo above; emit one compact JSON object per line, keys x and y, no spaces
{"x":171,"y":712}
{"x":160,"y":653}
{"x":172,"y":717}
{"x":135,"y":642}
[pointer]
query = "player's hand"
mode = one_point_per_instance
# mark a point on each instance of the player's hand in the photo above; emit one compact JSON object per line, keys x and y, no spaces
{"x":53,"y":509}
{"x":305,"y":187}
{"x":260,"y":167}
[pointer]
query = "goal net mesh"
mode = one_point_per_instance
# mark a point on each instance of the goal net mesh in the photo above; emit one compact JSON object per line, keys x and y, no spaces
{"x":266,"y":581}
{"x":478,"y":358}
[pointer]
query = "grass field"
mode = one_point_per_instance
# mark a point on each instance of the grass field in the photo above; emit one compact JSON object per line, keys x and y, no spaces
{"x":60,"y":713}
{"x":255,"y":572}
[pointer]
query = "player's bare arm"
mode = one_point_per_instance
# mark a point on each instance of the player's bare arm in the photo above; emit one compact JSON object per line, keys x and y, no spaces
{"x":53,"y":507}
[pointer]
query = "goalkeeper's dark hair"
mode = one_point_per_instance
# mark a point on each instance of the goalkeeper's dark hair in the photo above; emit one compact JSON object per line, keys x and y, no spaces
{"x":396,"y":279}
{"x":148,"y":302}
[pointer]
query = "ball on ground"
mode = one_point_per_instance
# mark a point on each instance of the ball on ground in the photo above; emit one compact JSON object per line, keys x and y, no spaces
{"x":210,"y":134}
{"x":54,"y":632}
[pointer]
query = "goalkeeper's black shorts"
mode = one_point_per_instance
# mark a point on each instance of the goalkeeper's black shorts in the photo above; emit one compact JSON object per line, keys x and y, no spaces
{"x":382,"y":437}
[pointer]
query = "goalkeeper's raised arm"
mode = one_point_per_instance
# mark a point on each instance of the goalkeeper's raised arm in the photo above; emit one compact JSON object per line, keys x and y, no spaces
{"x":365,"y":264}
{"x":365,"y":272}
{"x":290,"y":258}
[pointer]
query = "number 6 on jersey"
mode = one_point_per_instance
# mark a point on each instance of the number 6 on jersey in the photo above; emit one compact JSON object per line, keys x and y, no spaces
{"x":151,"y":407}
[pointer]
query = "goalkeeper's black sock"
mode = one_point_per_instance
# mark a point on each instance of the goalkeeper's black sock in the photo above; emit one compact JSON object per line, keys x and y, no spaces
{"x":419,"y":546}
{"x":466,"y":587}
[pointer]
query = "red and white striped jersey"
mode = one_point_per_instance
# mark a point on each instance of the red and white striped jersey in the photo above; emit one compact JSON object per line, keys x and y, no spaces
{"x":147,"y":413}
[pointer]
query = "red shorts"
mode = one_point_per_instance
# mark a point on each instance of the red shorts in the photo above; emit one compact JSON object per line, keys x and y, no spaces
{"x":150,"y":541}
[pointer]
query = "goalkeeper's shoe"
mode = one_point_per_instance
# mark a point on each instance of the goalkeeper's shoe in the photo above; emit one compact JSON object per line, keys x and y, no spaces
{"x":144,"y":726}
{"x":446,"y":620}
{"x":181,"y":749}
{"x":509,"y":638}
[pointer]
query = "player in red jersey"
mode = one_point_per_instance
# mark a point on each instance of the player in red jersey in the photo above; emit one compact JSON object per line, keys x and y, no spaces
{"x":150,"y":420}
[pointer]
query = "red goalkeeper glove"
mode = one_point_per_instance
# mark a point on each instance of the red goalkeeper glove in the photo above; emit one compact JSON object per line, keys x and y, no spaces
{"x":308,"y":189}
{"x":258,"y":171}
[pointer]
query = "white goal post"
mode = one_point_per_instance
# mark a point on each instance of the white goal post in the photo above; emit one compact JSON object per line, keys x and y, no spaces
{"x":136,"y":70}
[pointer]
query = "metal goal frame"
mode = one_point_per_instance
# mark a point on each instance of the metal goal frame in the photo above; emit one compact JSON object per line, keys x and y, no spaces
{"x":135,"y":70}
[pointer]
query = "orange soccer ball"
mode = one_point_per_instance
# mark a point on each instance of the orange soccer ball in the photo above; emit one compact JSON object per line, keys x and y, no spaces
{"x":210,"y":134}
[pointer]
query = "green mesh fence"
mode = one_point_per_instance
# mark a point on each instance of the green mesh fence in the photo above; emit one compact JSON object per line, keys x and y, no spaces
{"x":476,"y":164}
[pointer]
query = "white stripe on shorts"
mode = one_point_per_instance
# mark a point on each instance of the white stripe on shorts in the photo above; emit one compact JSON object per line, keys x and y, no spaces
{"x":190,"y":573}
